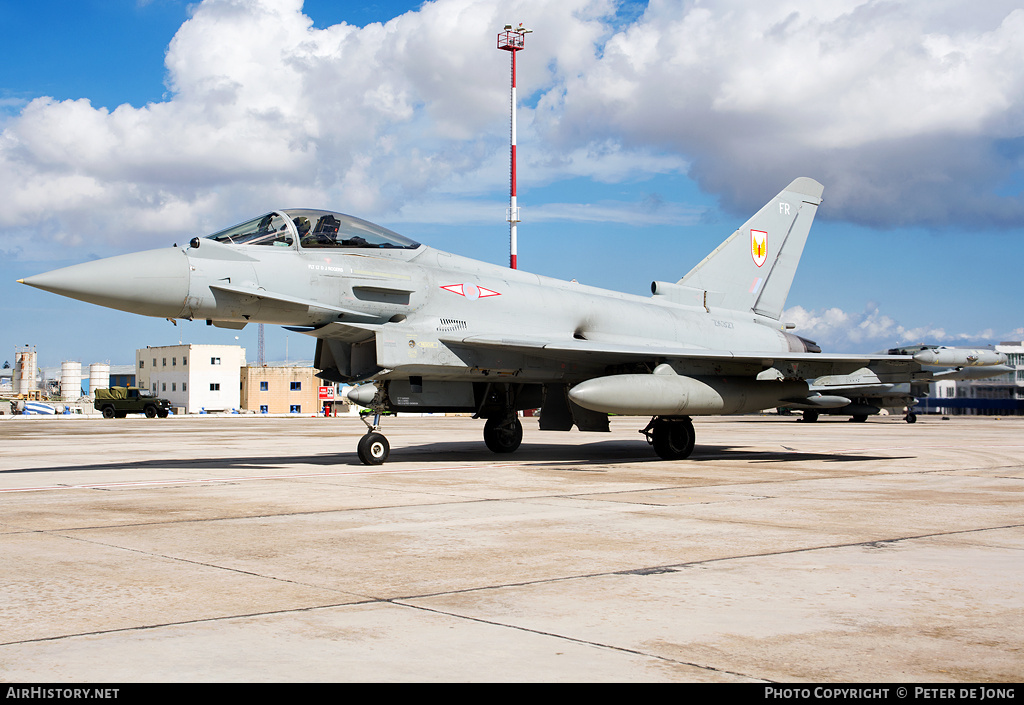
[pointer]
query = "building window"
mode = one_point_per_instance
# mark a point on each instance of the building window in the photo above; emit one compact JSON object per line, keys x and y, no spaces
{"x":174,"y":362}
{"x":142,"y":364}
{"x":296,"y":386}
{"x":295,"y":409}
{"x":214,"y":386}
{"x":184,"y":361}
{"x":154,"y":387}
{"x":164,"y":359}
{"x":154,"y":362}
{"x":174,"y":386}
{"x":264,"y":409}
{"x":184,"y":386}
{"x":163,"y":387}
{"x":264,"y":386}
{"x":214,"y":360}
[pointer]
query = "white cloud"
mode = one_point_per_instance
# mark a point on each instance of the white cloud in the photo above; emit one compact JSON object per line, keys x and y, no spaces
{"x":908,"y":112}
{"x":899,"y":108}
{"x":871,"y":330}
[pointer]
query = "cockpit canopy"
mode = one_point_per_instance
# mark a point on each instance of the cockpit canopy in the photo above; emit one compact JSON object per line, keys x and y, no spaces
{"x":312,"y":229}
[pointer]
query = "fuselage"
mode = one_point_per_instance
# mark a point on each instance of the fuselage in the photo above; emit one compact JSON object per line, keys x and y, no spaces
{"x":416,"y":302}
{"x":411,"y":301}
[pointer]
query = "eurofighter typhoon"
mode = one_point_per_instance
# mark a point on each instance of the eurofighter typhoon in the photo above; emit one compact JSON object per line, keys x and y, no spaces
{"x":430,"y":331}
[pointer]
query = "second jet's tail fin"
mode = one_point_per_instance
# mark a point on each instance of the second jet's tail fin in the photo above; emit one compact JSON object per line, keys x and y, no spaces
{"x":754,"y":268}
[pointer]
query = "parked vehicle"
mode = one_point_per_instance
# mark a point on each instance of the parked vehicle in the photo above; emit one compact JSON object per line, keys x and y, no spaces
{"x":118,"y":402}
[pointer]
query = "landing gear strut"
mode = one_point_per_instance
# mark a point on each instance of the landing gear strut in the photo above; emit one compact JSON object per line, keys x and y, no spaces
{"x":373,"y":448}
{"x":672,"y":436}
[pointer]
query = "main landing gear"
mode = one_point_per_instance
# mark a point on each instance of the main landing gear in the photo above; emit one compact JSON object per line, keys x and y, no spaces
{"x":503,"y":435}
{"x":503,"y":432}
{"x":672,"y":436}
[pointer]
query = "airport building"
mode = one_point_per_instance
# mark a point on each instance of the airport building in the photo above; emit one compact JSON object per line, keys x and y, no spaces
{"x":280,"y":390}
{"x":194,"y":378}
{"x":995,"y":396}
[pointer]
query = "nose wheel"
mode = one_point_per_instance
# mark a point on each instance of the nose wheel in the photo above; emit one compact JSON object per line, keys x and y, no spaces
{"x":373,"y":448}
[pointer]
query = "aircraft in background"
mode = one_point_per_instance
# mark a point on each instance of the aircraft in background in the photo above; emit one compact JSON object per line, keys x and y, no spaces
{"x":869,"y":396}
{"x":434,"y":332}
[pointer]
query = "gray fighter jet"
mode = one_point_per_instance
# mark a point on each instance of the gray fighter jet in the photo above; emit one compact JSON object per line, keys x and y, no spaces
{"x":869,"y":395}
{"x":436,"y":332}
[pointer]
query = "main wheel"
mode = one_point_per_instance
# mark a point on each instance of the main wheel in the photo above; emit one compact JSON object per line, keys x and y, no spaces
{"x":373,"y":448}
{"x":673,"y":439}
{"x":503,"y":436}
{"x":810,"y":416}
{"x":108,"y":412}
{"x":911,"y":417}
{"x":150,"y":412}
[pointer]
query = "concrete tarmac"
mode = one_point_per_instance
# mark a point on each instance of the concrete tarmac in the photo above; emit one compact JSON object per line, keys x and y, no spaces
{"x":259,"y":549}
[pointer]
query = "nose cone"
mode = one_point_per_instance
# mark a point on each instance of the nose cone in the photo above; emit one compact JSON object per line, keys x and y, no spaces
{"x":151,"y":283}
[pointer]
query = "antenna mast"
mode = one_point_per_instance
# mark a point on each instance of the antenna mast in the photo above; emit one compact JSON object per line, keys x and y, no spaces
{"x":512,"y":41}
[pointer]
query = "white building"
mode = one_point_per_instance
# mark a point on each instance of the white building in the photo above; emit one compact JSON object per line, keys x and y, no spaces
{"x":195,"y":377}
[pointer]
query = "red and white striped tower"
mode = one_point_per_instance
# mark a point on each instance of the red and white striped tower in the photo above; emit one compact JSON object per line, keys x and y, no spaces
{"x":512,"y":41}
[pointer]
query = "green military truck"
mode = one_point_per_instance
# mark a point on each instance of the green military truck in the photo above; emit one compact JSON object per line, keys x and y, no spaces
{"x":118,"y":402}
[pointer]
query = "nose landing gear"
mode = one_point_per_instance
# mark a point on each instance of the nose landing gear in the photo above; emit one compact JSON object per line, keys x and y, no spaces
{"x":373,"y":448}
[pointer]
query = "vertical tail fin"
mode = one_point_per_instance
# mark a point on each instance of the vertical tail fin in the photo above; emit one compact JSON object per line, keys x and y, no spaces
{"x":754,"y":268}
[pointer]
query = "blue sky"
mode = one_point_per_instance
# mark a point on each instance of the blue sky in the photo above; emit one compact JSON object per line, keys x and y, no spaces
{"x":648,"y":132}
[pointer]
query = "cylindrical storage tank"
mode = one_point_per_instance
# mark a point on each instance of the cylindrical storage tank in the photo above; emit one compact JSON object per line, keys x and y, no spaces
{"x":25,"y":370}
{"x":70,"y":381}
{"x":99,"y":377}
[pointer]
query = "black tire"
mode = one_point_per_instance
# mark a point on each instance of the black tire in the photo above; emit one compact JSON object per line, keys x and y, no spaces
{"x":373,"y":449}
{"x":673,"y":439}
{"x":150,"y":412}
{"x":810,"y":416}
{"x":503,"y":437}
{"x":108,"y":412}
{"x":859,"y":418}
{"x":911,"y":418}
